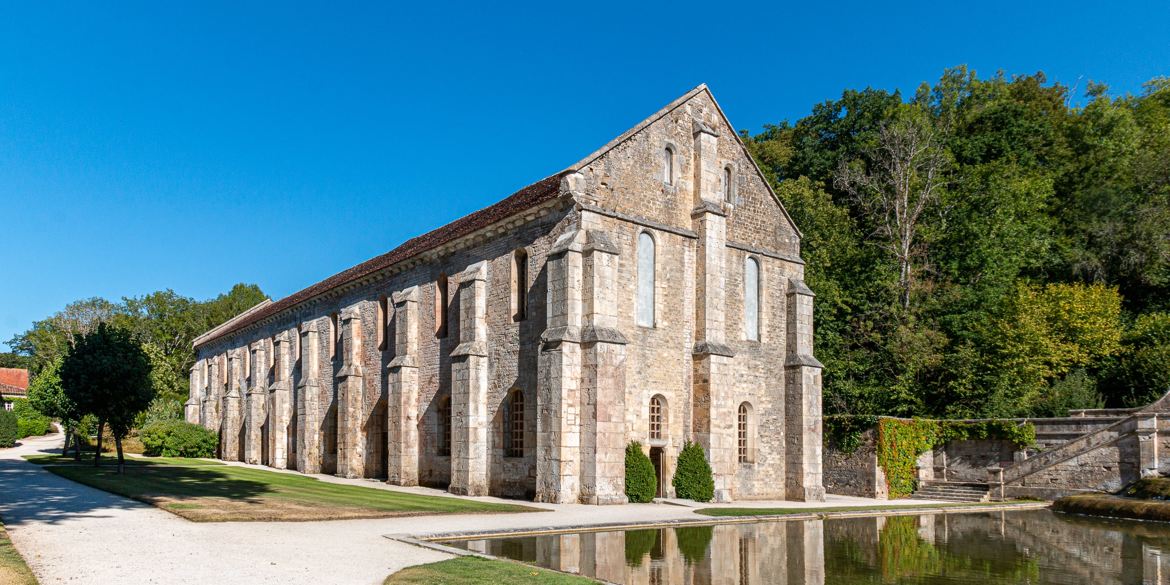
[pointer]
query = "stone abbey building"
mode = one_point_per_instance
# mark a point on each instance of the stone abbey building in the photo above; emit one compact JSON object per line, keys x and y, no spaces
{"x":651,"y":292}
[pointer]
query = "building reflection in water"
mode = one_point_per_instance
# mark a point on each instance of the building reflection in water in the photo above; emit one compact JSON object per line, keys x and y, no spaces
{"x":985,"y":549}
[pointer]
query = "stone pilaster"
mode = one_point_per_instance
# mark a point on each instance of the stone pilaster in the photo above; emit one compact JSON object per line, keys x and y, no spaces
{"x":802,"y":399}
{"x":211,"y":396}
{"x":469,"y":373}
{"x":232,"y":427}
{"x":309,"y":401}
{"x":192,"y":406}
{"x":257,"y":399}
{"x":351,"y":445}
{"x":279,"y":401}
{"x":713,"y":405}
{"x":403,"y":392}
{"x":558,"y":442}
{"x":603,"y":376}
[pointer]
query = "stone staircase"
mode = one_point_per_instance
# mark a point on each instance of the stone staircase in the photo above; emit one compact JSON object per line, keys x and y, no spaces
{"x":952,"y":491}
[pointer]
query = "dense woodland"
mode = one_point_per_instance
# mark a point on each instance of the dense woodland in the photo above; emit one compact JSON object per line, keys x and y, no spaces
{"x":983,"y":247}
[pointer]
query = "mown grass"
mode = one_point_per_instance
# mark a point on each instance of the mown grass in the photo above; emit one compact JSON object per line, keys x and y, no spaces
{"x":480,"y":571}
{"x":209,"y":491}
{"x":880,"y":508}
{"x":13,"y":569}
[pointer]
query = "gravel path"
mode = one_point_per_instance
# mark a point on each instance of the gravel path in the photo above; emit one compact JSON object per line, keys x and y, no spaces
{"x":70,"y":533}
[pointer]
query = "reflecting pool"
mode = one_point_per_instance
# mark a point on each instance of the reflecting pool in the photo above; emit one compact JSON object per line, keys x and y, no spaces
{"x":1033,"y":546}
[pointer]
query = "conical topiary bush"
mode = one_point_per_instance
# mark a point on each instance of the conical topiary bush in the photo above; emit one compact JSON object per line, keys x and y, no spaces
{"x":641,"y":484}
{"x":692,"y":476}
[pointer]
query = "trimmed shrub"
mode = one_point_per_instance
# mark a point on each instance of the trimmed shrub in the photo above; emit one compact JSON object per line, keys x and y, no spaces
{"x":692,"y":478}
{"x":176,"y":438}
{"x":641,"y":483}
{"x":8,"y":427}
{"x":29,"y":422}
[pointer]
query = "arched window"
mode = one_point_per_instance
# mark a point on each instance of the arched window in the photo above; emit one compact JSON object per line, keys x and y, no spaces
{"x":383,"y":305}
{"x":727,"y":184}
{"x":441,"y":305}
{"x":514,"y":425}
{"x":645,"y":300}
{"x":657,"y":417}
{"x":744,"y":431}
{"x":668,"y":165}
{"x":751,"y":299}
{"x":519,"y":285}
{"x":444,"y":426}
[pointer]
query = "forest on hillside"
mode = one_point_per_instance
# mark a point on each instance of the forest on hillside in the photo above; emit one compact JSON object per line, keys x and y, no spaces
{"x":983,"y":247}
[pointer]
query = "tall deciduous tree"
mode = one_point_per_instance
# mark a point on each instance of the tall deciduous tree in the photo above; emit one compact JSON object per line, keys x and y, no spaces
{"x":47,"y":396}
{"x":107,"y":374}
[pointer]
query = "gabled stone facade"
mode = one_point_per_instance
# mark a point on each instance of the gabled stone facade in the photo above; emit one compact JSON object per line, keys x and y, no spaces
{"x":651,"y":292}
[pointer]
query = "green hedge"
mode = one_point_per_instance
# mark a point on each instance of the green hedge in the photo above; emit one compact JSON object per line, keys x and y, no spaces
{"x":8,"y":427}
{"x":30,"y":423}
{"x":641,"y":482}
{"x":692,"y":478}
{"x":176,"y":438}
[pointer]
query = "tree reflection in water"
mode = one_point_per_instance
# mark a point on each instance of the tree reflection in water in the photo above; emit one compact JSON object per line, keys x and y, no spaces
{"x":1034,"y":547}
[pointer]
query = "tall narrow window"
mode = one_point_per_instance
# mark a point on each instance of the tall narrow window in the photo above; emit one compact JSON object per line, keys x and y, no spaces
{"x":657,"y":408}
{"x":382,"y":322}
{"x":668,"y":165}
{"x":727,"y":184}
{"x":334,"y":335}
{"x":441,"y":306}
{"x":514,"y":425}
{"x":645,"y":300}
{"x":751,"y":299}
{"x":519,"y":285}
{"x":444,"y":426}
{"x":743,"y":432}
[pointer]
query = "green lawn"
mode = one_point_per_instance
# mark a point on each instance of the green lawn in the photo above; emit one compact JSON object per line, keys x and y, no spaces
{"x":787,"y":511}
{"x":209,"y":491}
{"x":480,"y":571}
{"x":13,"y":570}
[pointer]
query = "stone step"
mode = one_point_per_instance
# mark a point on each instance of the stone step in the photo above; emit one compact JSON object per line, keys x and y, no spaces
{"x":948,"y":497}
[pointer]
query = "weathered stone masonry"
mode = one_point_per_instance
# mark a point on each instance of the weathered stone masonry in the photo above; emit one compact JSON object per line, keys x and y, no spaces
{"x":651,"y":292}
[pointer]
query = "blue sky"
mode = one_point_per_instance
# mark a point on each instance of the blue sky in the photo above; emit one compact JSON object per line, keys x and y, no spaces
{"x":193,"y":145}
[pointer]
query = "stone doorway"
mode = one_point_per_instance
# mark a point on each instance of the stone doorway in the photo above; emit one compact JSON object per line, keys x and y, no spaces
{"x":656,"y":454}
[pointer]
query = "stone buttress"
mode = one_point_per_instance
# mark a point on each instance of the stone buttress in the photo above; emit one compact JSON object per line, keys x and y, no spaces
{"x":232,"y":427}
{"x":713,"y":359}
{"x":802,"y":399}
{"x":257,"y":401}
{"x":308,"y":398}
{"x":279,"y":401}
{"x":402,"y":410}
{"x":351,"y":445}
{"x":469,"y":381}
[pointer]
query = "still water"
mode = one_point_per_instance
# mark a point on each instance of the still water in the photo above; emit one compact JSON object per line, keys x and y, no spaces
{"x":1035,"y":546}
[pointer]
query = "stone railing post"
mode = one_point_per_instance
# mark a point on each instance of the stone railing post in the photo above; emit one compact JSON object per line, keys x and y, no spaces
{"x":995,"y":483}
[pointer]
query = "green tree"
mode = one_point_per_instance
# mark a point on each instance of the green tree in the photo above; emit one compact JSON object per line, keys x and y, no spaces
{"x":47,"y":396}
{"x":1141,"y":372}
{"x":641,"y":481}
{"x":693,"y":479}
{"x":107,"y":374}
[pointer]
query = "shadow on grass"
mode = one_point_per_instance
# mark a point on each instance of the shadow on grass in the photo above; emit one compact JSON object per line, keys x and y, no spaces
{"x":145,"y":480}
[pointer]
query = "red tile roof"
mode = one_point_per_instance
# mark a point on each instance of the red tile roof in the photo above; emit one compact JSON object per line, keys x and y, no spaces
{"x":524,"y":199}
{"x":16,"y":377}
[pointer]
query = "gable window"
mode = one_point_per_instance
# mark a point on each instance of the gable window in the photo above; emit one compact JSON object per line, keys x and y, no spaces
{"x":727,"y":178}
{"x":657,"y":417}
{"x":668,"y":165}
{"x":441,"y":306}
{"x":514,"y":425}
{"x":751,"y":299}
{"x":645,"y":300}
{"x":519,"y":285}
{"x":744,"y":431}
{"x":444,"y":426}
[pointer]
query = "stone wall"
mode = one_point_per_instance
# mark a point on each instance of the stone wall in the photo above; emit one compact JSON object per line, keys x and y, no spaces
{"x":856,"y":472}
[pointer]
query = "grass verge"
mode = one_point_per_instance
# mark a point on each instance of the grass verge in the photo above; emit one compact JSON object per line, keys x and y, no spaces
{"x":13,"y":570}
{"x":1114,"y":507}
{"x":209,"y":491}
{"x":480,"y":571}
{"x":720,"y":512}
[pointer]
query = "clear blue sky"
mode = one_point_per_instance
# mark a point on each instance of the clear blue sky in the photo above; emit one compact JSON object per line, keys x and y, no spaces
{"x":193,"y":145}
